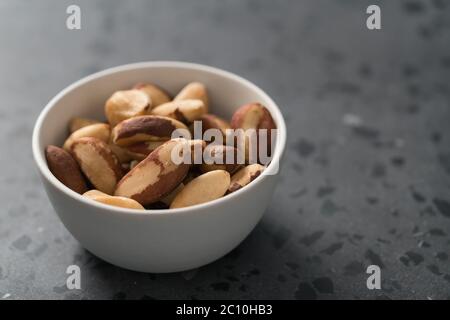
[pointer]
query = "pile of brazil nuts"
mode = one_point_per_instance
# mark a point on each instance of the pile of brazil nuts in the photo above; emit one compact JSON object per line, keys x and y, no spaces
{"x":126,"y":161}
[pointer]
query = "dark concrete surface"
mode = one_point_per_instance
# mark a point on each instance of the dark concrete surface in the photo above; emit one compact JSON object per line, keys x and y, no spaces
{"x":367,"y":173}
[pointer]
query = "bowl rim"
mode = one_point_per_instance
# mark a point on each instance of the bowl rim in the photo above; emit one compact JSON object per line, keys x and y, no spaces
{"x":39,"y":156}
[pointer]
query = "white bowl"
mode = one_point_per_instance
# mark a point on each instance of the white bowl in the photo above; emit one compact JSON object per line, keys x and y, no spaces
{"x":156,"y":241}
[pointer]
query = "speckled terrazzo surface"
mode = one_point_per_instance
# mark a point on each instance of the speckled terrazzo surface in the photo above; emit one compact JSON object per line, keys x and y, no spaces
{"x":366,"y":178}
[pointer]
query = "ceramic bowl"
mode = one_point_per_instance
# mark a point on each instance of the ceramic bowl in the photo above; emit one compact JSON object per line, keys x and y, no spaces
{"x":156,"y":240}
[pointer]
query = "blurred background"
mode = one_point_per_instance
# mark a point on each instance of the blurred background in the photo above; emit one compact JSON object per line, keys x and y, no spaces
{"x":366,"y":177}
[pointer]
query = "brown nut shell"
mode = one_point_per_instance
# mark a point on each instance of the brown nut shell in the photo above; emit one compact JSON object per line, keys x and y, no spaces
{"x":139,"y":151}
{"x":145,"y":128}
{"x":98,"y":163}
{"x":100,"y":131}
{"x":154,"y":177}
{"x":194,"y":90}
{"x":182,"y":110}
{"x":157,"y":95}
{"x":244,"y":176}
{"x":65,"y":168}
{"x":206,"y":187}
{"x":254,"y":116}
{"x":211,"y":121}
{"x":126,"y":104}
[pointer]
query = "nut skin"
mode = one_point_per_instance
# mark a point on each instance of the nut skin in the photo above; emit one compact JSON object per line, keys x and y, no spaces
{"x":98,"y":163}
{"x":254,"y":116}
{"x":154,"y":177}
{"x":220,"y":151}
{"x":100,"y":131}
{"x":211,"y":121}
{"x":182,"y":110}
{"x":78,"y":123}
{"x":206,"y":187}
{"x":139,"y":151}
{"x":244,"y":176}
{"x":65,"y":168}
{"x":112,"y":200}
{"x":194,"y":90}
{"x":144,"y":128}
{"x":157,"y":95}
{"x":126,"y":104}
